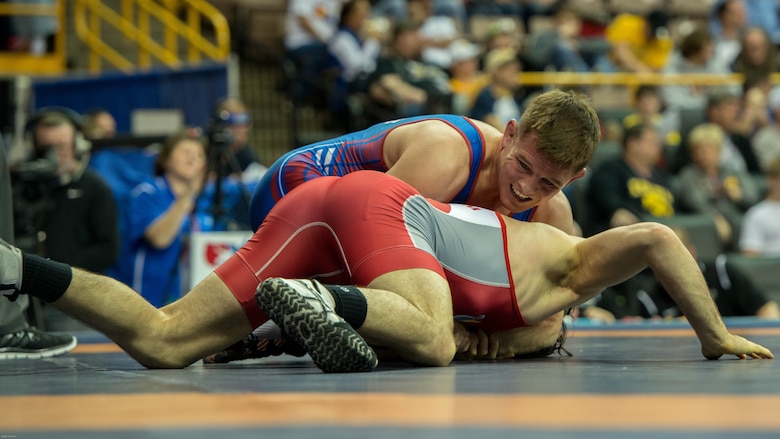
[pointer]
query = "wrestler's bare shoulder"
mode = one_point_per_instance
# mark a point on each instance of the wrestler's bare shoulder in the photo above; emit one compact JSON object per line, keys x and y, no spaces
{"x":424,"y":138}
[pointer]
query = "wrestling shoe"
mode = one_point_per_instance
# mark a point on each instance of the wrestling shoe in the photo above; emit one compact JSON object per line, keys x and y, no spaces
{"x":10,"y":270}
{"x":253,"y":346}
{"x":299,"y":307}
{"x":32,"y":343}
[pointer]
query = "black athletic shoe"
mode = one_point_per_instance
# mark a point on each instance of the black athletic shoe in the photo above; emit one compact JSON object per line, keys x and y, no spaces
{"x":33,"y":343}
{"x":299,"y":308}
{"x":253,"y":346}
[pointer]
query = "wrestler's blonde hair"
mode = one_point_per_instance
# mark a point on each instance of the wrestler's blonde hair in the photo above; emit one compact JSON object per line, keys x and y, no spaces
{"x":566,"y":128}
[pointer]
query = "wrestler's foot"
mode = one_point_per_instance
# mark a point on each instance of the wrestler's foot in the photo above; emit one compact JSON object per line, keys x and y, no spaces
{"x":253,"y":346}
{"x":299,"y":307}
{"x":10,"y":270}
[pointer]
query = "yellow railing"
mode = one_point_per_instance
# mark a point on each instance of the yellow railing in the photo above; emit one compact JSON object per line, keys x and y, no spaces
{"x":633,"y":79}
{"x":52,"y":62}
{"x":134,"y":22}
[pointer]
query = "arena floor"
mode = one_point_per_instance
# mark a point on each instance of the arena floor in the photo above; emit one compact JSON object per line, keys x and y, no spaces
{"x":624,"y":381}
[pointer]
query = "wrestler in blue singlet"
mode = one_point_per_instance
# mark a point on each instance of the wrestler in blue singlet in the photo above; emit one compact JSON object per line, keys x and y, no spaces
{"x":360,"y":150}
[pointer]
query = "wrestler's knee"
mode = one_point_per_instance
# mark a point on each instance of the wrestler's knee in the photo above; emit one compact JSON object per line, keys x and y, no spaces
{"x":156,"y":347}
{"x":439,"y":349}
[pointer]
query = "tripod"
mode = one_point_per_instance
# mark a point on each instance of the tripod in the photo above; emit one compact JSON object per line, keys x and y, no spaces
{"x":223,"y":162}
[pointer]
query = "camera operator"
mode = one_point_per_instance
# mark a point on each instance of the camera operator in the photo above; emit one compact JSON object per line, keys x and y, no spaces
{"x":239,"y":160}
{"x":63,"y":210}
{"x":18,"y":339}
{"x":233,"y":166}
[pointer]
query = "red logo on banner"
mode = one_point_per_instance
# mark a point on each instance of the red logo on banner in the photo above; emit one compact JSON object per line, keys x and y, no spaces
{"x":215,"y":253}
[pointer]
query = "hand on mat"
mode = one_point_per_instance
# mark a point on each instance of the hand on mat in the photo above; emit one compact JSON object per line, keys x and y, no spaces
{"x":738,"y":346}
{"x":475,"y":344}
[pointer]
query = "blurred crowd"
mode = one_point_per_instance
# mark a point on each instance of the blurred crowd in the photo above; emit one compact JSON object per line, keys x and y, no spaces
{"x":702,"y":158}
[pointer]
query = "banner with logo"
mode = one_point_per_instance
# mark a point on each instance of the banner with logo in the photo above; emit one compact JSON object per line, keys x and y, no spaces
{"x":210,"y":249}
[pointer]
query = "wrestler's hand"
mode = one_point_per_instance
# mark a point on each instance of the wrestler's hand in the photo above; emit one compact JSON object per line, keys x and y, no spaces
{"x":475,"y":344}
{"x":736,"y":345}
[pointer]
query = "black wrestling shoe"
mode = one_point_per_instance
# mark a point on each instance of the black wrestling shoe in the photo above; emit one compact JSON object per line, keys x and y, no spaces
{"x":32,"y":343}
{"x":253,"y":346}
{"x":299,"y":307}
{"x":10,"y":270}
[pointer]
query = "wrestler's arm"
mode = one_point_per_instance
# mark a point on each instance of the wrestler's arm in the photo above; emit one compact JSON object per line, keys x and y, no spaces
{"x":434,"y":159}
{"x":568,"y":271}
{"x":617,"y":254}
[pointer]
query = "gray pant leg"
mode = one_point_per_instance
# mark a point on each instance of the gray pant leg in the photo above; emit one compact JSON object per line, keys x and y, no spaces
{"x":12,"y":314}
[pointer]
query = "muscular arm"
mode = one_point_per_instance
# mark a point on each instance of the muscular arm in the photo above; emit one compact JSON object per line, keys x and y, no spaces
{"x":617,"y":254}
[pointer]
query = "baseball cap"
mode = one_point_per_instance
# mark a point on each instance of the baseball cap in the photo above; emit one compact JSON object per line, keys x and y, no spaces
{"x":462,"y":50}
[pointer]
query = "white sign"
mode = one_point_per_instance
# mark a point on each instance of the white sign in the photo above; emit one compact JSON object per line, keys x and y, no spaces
{"x":210,"y":249}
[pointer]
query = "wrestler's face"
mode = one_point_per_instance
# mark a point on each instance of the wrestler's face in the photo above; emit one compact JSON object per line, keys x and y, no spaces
{"x":526,"y":179}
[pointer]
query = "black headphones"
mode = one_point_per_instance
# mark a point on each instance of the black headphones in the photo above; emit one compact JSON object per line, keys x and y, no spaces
{"x":80,"y":144}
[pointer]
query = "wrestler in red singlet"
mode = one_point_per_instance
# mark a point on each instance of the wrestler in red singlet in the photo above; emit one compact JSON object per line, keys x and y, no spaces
{"x":352,"y":229}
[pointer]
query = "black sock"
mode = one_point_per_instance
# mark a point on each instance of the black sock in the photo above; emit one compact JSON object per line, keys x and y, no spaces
{"x":44,"y":278}
{"x":350,"y":304}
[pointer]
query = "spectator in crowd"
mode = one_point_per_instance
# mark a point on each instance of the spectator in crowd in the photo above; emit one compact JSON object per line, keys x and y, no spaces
{"x":159,"y":215}
{"x":503,"y":32}
{"x":728,"y":21}
{"x":239,"y":160}
{"x":18,"y":339}
{"x":754,"y":113}
{"x":649,"y":109}
{"x":234,"y":164}
{"x":398,"y":10}
{"x":713,"y":187}
{"x":466,"y":79}
{"x":760,"y":234}
{"x":404,"y":86}
{"x":626,"y":190}
{"x":75,"y":218}
{"x":502,"y":99}
{"x":438,"y":32}
{"x":758,"y":13}
{"x":355,"y":50}
{"x":99,"y":124}
{"x":765,"y":141}
{"x":694,"y":55}
{"x":638,"y":44}
{"x":525,"y":10}
{"x":309,"y":25}
{"x":559,"y":47}
{"x":757,"y":57}
{"x":724,"y":108}
{"x":630,"y":188}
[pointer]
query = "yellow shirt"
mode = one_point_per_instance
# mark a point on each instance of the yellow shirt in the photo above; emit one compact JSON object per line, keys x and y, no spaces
{"x":630,"y":29}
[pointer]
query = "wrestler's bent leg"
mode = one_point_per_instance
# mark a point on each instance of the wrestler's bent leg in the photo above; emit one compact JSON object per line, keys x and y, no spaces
{"x":410,"y":312}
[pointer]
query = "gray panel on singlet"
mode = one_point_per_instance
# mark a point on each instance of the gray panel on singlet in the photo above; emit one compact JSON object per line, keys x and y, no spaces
{"x":471,"y":250}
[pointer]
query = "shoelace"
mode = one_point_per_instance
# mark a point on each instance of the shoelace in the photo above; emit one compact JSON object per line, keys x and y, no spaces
{"x":558,"y":346}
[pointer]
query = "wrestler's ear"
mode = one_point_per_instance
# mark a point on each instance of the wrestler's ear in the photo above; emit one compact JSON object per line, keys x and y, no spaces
{"x":578,"y":175}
